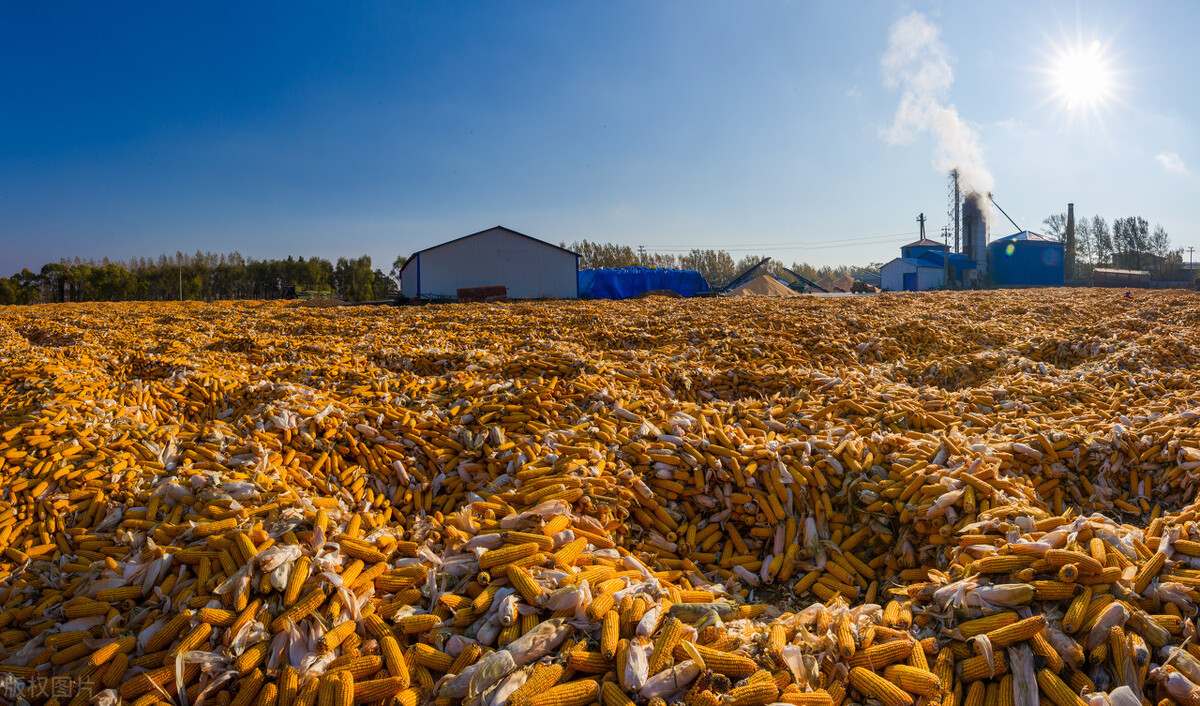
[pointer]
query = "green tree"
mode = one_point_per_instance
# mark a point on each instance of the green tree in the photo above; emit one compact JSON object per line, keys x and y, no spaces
{"x":1131,"y":241}
{"x":8,"y":291}
{"x":1085,"y":247}
{"x":53,"y":281}
{"x":384,"y":285}
{"x":716,"y":266}
{"x":1102,"y":238}
{"x":27,"y":284}
{"x":353,"y":278}
{"x":1056,"y":225}
{"x":603,"y":255}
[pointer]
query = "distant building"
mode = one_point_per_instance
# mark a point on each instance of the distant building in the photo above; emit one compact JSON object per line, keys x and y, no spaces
{"x":871,"y":278}
{"x":1104,"y":277}
{"x":1168,"y":267}
{"x":1025,"y":259}
{"x":922,"y":266}
{"x":1186,"y":272}
{"x":527,"y":267}
{"x":917,"y":248}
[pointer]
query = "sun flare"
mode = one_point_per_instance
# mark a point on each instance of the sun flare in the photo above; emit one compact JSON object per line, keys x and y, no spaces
{"x":1083,"y":77}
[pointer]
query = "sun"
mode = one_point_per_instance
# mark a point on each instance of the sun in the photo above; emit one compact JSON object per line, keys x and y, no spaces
{"x":1083,"y":77}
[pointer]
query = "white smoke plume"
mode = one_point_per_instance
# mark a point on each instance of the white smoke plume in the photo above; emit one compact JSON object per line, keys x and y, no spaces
{"x":917,"y":63}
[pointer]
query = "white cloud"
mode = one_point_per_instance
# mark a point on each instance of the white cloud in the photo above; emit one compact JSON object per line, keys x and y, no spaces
{"x":853,"y":92}
{"x":1171,"y":162}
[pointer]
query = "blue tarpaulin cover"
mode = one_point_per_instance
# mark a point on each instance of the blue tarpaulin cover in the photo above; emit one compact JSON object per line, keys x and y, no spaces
{"x":628,"y":282}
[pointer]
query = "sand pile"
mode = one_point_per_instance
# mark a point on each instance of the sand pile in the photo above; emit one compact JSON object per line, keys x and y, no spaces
{"x":765,"y":286}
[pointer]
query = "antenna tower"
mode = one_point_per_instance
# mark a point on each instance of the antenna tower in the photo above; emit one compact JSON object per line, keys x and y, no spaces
{"x":953,"y":213}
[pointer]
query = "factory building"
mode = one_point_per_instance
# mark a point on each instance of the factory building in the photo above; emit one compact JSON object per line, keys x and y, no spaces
{"x":1026,"y":259}
{"x":922,"y":266}
{"x":526,"y":267}
{"x":1104,"y":277}
{"x":1023,"y":259}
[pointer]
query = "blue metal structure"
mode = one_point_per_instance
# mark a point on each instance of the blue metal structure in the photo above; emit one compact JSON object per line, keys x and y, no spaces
{"x":1025,"y":259}
{"x":921,"y":247}
{"x":628,"y":282}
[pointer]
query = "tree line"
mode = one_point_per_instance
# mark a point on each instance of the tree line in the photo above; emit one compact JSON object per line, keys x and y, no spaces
{"x":1129,"y":243}
{"x":200,"y":276}
{"x":717,"y":266}
{"x":207,"y":276}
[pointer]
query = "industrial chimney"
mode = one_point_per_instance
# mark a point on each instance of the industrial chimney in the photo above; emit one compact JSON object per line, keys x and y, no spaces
{"x":975,"y":232}
{"x":1069,"y":244}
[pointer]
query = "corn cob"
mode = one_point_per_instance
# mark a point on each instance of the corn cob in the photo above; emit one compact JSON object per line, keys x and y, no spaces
{"x":523,"y":581}
{"x":612,"y":695}
{"x":507,"y":554}
{"x":913,"y":680}
{"x":1148,"y":572}
{"x":873,"y":686}
{"x":1017,"y":632}
{"x":575,"y":693}
{"x":1056,"y":691}
{"x":376,"y":689}
{"x":668,"y":637}
{"x":979,"y":626}
{"x":394,"y":658}
{"x":756,"y":693}
{"x":976,"y":668}
{"x":542,"y":678}
{"x":880,"y":655}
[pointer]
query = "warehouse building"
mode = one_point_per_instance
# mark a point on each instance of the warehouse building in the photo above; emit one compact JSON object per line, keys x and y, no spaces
{"x":922,"y":266}
{"x":526,"y":267}
{"x":1026,"y":259}
{"x":1103,"y":277}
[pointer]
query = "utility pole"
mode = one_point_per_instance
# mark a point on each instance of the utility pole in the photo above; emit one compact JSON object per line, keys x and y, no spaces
{"x":641,"y":254}
{"x":180,"y":283}
{"x":945,"y":256}
{"x":921,"y":220}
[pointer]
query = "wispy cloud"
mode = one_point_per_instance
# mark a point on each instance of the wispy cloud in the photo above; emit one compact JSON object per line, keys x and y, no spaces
{"x":853,"y":92}
{"x":1171,"y":162}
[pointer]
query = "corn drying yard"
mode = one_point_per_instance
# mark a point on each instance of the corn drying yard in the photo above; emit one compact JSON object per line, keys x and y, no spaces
{"x":974,"y":498}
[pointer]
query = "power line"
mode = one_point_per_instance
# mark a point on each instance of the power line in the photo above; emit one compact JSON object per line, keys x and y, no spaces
{"x":837,"y":240}
{"x":830,"y":246}
{"x":863,"y":240}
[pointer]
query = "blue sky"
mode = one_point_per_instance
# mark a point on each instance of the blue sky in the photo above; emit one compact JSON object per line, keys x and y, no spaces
{"x":321,"y":129}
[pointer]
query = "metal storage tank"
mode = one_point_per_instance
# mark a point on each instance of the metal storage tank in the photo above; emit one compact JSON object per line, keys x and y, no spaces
{"x":529,"y":268}
{"x":976,"y":232}
{"x":1025,"y":259}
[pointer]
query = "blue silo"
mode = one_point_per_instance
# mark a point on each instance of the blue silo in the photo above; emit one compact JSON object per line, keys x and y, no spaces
{"x":1025,"y":259}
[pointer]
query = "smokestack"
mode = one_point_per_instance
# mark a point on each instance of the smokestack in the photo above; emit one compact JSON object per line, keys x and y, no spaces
{"x":975,"y":232}
{"x":1069,"y":243}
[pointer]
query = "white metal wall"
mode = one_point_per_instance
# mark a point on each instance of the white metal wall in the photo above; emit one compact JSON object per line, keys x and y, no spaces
{"x":529,"y":269}
{"x":891,"y":276}
{"x":930,"y":277}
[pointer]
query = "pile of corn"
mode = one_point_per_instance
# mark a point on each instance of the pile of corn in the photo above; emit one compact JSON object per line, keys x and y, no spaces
{"x":958,"y":499}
